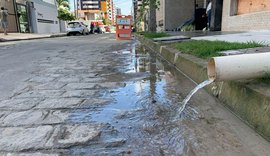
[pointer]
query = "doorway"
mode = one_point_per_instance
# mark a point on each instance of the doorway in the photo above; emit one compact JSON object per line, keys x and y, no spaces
{"x":23,"y":20}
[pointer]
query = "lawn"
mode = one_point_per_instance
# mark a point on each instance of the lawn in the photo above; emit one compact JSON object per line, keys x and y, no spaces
{"x":206,"y":49}
{"x":154,"y":35}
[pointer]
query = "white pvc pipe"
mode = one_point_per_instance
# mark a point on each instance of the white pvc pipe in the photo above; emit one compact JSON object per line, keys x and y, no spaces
{"x":237,"y":67}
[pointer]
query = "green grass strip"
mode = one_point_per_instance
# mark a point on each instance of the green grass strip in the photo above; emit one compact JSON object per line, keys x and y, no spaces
{"x":206,"y":49}
{"x":154,"y":35}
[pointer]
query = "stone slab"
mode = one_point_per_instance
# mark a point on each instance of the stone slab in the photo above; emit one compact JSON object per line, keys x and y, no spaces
{"x":60,"y":103}
{"x":34,"y":117}
{"x":41,"y":94}
{"x":79,"y":94}
{"x":22,"y":138}
{"x":80,"y":86}
{"x":19,"y":104}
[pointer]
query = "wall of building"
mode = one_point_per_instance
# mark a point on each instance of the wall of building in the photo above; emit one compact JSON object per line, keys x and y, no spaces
{"x":232,"y":21}
{"x":11,"y":18}
{"x":160,"y":16}
{"x":177,"y":12}
{"x":50,"y":1}
{"x":46,"y":20}
{"x":250,"y":6}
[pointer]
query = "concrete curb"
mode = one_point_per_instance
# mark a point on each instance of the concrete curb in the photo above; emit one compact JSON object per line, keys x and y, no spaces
{"x":246,"y":101}
{"x":33,"y":38}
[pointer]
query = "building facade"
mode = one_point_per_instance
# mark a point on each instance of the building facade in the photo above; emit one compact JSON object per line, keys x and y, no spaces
{"x":93,"y":10}
{"x":12,"y":18}
{"x":241,"y":15}
{"x":118,"y":11}
{"x":32,"y":16}
{"x":173,"y":13}
{"x":88,"y":9}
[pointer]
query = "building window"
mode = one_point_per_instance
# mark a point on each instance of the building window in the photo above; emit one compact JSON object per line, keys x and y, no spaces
{"x":233,"y":8}
{"x":90,"y":4}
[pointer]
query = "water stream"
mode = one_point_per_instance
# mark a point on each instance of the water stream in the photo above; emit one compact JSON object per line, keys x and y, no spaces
{"x":185,"y":101}
{"x":139,"y":114}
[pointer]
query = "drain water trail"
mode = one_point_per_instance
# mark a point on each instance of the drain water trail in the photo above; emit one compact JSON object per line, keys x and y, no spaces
{"x":185,"y":101}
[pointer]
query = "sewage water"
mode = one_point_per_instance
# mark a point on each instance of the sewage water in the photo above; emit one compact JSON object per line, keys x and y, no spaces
{"x":138,"y":120}
{"x":192,"y":92}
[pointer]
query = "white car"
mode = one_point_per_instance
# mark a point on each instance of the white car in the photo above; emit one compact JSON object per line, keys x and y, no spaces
{"x":75,"y":28}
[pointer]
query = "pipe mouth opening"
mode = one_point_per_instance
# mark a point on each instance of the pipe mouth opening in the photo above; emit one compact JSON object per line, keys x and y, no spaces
{"x":211,"y":69}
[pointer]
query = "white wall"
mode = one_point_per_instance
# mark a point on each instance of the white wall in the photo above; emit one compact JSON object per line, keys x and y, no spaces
{"x":46,"y":18}
{"x":50,"y":1}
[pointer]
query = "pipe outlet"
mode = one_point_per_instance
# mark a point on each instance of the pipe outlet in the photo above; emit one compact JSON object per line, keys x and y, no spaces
{"x":235,"y":67}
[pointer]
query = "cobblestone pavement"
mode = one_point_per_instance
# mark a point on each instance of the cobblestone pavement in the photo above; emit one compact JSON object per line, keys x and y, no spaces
{"x":93,"y":95}
{"x":35,"y":118}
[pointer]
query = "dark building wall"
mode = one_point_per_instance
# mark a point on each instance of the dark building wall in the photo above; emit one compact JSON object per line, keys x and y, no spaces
{"x":216,"y":18}
{"x":177,"y":12}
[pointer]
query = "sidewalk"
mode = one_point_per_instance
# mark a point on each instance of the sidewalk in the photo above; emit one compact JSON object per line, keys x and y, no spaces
{"x":27,"y":36}
{"x":259,"y":36}
{"x":262,"y":37}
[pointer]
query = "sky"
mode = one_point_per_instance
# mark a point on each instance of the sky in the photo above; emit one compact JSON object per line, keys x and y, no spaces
{"x":125,"y":5}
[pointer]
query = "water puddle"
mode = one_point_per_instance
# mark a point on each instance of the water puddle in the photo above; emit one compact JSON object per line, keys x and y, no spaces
{"x":142,"y":111}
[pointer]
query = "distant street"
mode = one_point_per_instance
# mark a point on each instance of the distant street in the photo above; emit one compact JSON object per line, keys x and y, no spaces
{"x":95,"y":96}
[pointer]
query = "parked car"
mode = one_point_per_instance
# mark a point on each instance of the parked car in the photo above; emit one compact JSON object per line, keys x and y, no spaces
{"x":107,"y":29}
{"x":75,"y":28}
{"x":102,"y":29}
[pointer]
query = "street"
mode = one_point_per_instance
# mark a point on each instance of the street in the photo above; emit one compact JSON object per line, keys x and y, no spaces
{"x":93,"y":95}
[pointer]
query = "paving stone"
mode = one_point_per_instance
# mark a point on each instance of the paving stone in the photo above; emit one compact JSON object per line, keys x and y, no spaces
{"x":89,"y":75}
{"x":22,"y":118}
{"x":94,"y":79}
{"x":19,"y":104}
{"x":29,"y":154}
{"x":41,"y":79}
{"x":36,"y":117}
{"x":50,"y":86}
{"x":54,"y":75}
{"x":70,"y":135}
{"x":60,"y":103}
{"x":80,"y":86}
{"x":69,"y":79}
{"x":79,"y":94}
{"x":41,"y":94}
{"x":110,"y":85}
{"x":22,"y":138}
{"x":95,"y":102}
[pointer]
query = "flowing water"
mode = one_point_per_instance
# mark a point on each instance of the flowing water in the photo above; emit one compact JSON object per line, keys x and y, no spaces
{"x":185,"y":101}
{"x":139,"y":116}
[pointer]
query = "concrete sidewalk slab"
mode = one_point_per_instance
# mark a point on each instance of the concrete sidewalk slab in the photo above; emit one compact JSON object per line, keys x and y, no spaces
{"x":27,"y":36}
{"x":171,"y":38}
{"x":262,"y":37}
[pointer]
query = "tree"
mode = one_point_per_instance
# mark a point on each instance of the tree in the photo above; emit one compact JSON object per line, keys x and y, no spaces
{"x":64,"y":10}
{"x":148,"y":6}
{"x":152,"y":13}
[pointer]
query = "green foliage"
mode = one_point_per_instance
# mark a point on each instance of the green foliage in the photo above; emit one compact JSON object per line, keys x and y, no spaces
{"x":206,"y":49}
{"x":144,"y":7}
{"x":188,"y":28}
{"x":65,"y":15}
{"x":154,"y":35}
{"x":64,"y":10}
{"x":64,"y":3}
{"x":104,"y":21}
